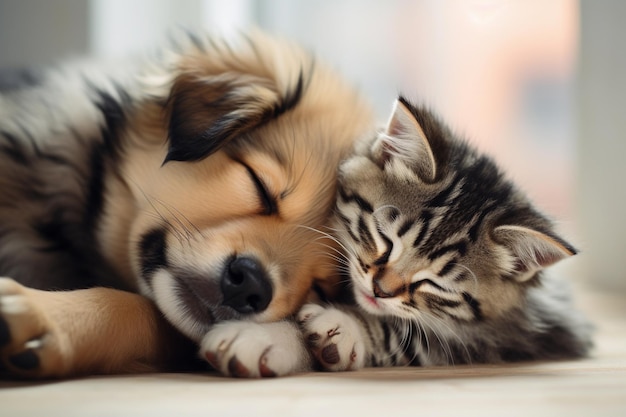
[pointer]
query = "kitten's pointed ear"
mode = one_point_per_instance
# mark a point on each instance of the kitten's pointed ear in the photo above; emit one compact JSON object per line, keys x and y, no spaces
{"x":404,"y":138}
{"x":532,"y":250}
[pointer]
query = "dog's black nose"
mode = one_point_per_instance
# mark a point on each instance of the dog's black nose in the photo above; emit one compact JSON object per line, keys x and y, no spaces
{"x":245,"y":286}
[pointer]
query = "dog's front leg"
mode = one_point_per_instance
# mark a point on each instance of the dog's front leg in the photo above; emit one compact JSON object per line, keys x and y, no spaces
{"x":47,"y":334}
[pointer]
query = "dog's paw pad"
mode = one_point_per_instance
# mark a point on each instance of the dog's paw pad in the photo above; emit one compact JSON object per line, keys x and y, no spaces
{"x":333,"y":337}
{"x":238,"y":369}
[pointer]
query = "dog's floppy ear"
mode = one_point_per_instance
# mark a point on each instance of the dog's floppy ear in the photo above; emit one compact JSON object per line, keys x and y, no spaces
{"x":207,"y":111}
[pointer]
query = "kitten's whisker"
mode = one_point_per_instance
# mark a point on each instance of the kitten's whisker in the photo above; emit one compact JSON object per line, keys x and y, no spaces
{"x":456,"y":336}
{"x":338,"y":253}
{"x":328,"y":235}
{"x":442,"y":341}
{"x":384,"y":207}
{"x":340,"y":261}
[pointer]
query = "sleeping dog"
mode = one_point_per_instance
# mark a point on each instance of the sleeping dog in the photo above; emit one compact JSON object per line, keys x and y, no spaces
{"x":142,"y":203}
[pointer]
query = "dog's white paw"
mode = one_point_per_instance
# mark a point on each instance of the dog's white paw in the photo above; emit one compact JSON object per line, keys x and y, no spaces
{"x":253,"y":350}
{"x":333,"y":337}
{"x":30,"y":346}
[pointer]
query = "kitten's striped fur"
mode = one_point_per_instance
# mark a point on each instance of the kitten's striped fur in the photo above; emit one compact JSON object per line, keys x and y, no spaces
{"x":445,"y":257}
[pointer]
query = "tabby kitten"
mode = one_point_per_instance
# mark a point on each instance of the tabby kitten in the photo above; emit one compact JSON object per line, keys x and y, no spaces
{"x":445,"y":257}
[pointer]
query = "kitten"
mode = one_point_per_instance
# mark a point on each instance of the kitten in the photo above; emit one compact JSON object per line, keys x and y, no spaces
{"x":445,"y":257}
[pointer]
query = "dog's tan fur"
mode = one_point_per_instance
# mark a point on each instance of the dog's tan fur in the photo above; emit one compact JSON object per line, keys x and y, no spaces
{"x":206,"y":202}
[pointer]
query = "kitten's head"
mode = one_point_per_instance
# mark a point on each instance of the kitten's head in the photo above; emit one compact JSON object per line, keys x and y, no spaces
{"x":432,"y":229}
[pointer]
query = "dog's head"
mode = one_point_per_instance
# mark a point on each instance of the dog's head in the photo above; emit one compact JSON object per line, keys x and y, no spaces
{"x":234,"y":188}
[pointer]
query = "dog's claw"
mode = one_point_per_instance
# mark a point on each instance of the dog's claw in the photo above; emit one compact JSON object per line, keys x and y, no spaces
{"x":5,"y":333}
{"x":26,"y":360}
{"x":264,"y":369}
{"x":211,"y":358}
{"x":237,"y":369}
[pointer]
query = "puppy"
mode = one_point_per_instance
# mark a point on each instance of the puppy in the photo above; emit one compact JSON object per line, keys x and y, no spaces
{"x":142,"y":203}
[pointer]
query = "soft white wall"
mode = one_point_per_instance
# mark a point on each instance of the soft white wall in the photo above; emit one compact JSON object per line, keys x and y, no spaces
{"x":34,"y":32}
{"x":358,"y":37}
{"x":602,"y":143}
{"x":122,"y":27}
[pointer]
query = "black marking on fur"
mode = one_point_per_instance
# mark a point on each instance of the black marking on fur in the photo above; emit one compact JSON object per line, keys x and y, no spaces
{"x":348,"y":227}
{"x":515,"y":354}
{"x":363,"y":204}
{"x":373,"y":361}
{"x":441,"y":199}
{"x":459,"y":247}
{"x":447,"y":268}
{"x":386,"y":336}
{"x":114,"y":113}
{"x":405,"y":227}
{"x":415,"y":285}
{"x":437,"y":303}
{"x":365,"y":235}
{"x":474,"y":305}
{"x":425,"y":220}
{"x":290,"y":100}
{"x":346,"y":221}
{"x":475,"y":229}
{"x":384,"y":258}
{"x":13,"y":148}
{"x":392,"y":214}
{"x":95,"y":187}
{"x":152,"y":250}
{"x":114,"y":117}
{"x":365,"y":268}
{"x":321,"y":294}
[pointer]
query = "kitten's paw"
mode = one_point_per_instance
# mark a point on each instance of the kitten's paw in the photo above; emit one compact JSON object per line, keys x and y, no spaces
{"x":333,"y":337}
{"x":253,"y":350}
{"x":30,"y":347}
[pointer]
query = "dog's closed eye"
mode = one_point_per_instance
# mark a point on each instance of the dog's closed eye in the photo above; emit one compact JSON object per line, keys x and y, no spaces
{"x":268,"y":200}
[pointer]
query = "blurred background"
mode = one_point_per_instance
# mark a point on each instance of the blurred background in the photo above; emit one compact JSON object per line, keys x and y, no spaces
{"x":538,"y":84}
